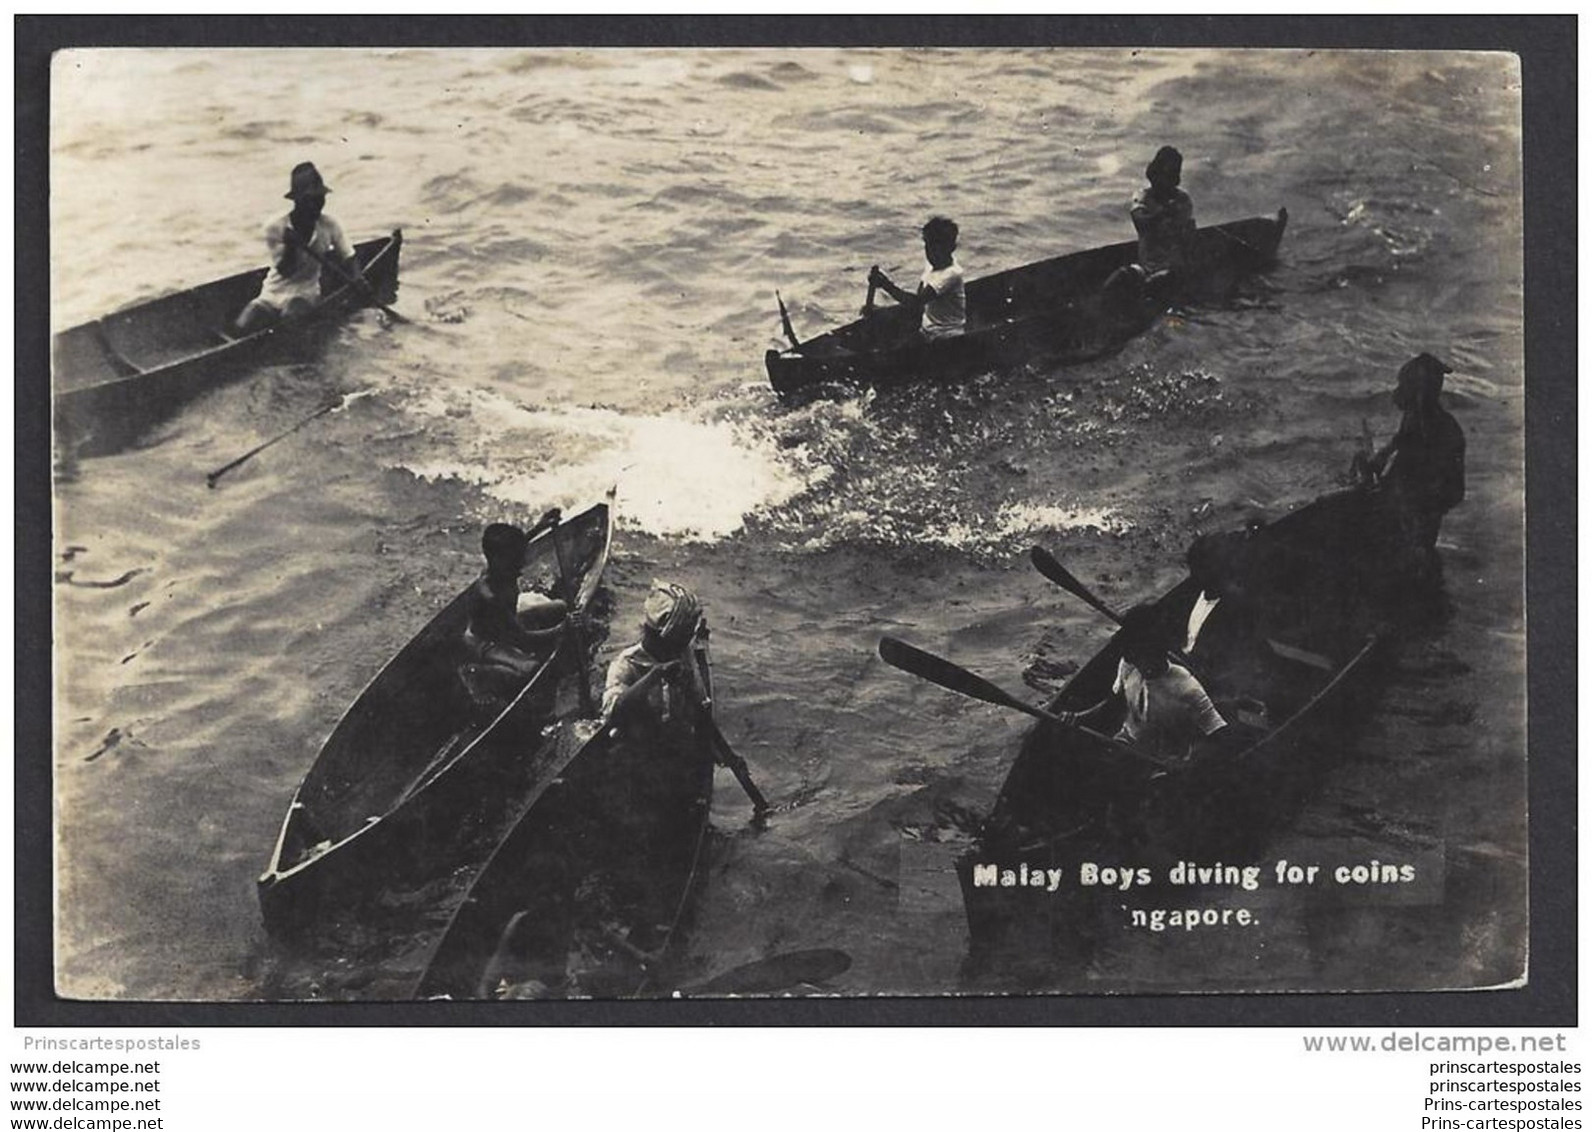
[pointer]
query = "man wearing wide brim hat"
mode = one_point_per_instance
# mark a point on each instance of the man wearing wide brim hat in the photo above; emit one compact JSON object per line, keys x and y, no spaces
{"x":298,"y":242}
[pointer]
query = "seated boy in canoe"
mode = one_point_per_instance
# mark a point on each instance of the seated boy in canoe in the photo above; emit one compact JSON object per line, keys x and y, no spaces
{"x":1165,"y":710}
{"x":1163,"y":214}
{"x":508,"y":631}
{"x":299,"y":243}
{"x":941,"y":293}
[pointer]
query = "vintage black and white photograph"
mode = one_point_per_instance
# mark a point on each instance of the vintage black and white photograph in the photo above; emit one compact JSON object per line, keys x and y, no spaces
{"x":564,"y":523}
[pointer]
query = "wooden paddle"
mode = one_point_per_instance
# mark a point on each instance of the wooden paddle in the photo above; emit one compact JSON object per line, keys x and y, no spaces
{"x":867,"y":307}
{"x":938,"y":670}
{"x":211,"y":478}
{"x":727,"y":754}
{"x":350,"y":280}
{"x":1046,"y":564}
{"x":728,"y":757}
{"x":572,"y":633}
{"x":776,"y":973}
{"x":784,"y":321}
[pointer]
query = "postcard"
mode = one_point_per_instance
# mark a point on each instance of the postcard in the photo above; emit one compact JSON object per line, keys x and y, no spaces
{"x":549,"y":523}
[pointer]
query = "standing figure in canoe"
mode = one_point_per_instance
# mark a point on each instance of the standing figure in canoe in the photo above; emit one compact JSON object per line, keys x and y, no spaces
{"x":1163,"y":214}
{"x":1164,"y":709}
{"x":509,"y":633}
{"x":299,"y":243}
{"x":941,"y":291}
{"x":1421,"y":471}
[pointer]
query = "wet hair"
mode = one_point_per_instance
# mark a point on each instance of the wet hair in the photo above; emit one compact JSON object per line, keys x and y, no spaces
{"x":1166,"y":160}
{"x":941,"y":229}
{"x":502,"y":542}
{"x":1144,"y":630}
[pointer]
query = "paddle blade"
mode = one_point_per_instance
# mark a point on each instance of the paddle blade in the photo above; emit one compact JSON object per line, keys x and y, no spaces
{"x":938,"y":670}
{"x":777,"y":973}
{"x":1046,"y":563}
{"x":784,"y":322}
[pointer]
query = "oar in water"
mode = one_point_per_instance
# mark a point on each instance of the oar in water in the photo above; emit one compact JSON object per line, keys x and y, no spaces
{"x":212,"y":477}
{"x":955,"y":678}
{"x":728,"y":757}
{"x":351,"y":280}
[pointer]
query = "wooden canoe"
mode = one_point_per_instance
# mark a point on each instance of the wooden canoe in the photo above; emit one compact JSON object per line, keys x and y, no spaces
{"x":116,"y":376}
{"x":1053,"y":309}
{"x":588,"y":895}
{"x":1323,"y":599}
{"x":408,"y":763}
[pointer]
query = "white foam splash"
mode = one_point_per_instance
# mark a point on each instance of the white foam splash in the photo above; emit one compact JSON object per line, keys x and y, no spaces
{"x":678,"y":476}
{"x":1031,"y":518}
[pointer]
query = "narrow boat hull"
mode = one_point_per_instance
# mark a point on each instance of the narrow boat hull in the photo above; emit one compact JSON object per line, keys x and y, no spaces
{"x":589,"y":894}
{"x":115,"y":377}
{"x":417,"y":767}
{"x":1071,"y":799}
{"x":1053,"y":309}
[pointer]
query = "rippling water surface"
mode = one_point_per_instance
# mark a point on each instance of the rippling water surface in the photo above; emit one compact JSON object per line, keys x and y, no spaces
{"x":593,"y":239}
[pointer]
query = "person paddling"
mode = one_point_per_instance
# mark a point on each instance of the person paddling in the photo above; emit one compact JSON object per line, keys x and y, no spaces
{"x":1163,"y":214}
{"x":672,"y":655}
{"x":672,"y":618}
{"x":297,"y":243}
{"x":1165,"y":710}
{"x":941,"y":293}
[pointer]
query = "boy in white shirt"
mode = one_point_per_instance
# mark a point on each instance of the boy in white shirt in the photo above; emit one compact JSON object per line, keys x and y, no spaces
{"x":941,"y":292}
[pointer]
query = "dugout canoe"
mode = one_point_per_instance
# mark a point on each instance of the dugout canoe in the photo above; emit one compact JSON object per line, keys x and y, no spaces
{"x":1324,"y":602}
{"x":117,"y":375}
{"x":1053,"y":309}
{"x":589,"y":895}
{"x":418,"y":758}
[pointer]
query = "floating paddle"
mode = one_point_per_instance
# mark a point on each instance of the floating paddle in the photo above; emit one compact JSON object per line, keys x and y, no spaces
{"x":351,"y":280}
{"x":776,"y":973}
{"x":784,"y":321}
{"x":212,"y":477}
{"x":938,"y":670}
{"x":1045,"y":562}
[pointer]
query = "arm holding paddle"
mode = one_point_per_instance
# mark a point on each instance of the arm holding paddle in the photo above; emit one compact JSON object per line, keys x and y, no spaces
{"x":348,"y":271}
{"x":879,"y":281}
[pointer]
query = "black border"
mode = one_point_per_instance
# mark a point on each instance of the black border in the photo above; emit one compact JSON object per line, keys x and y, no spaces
{"x":1547,"y":49}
